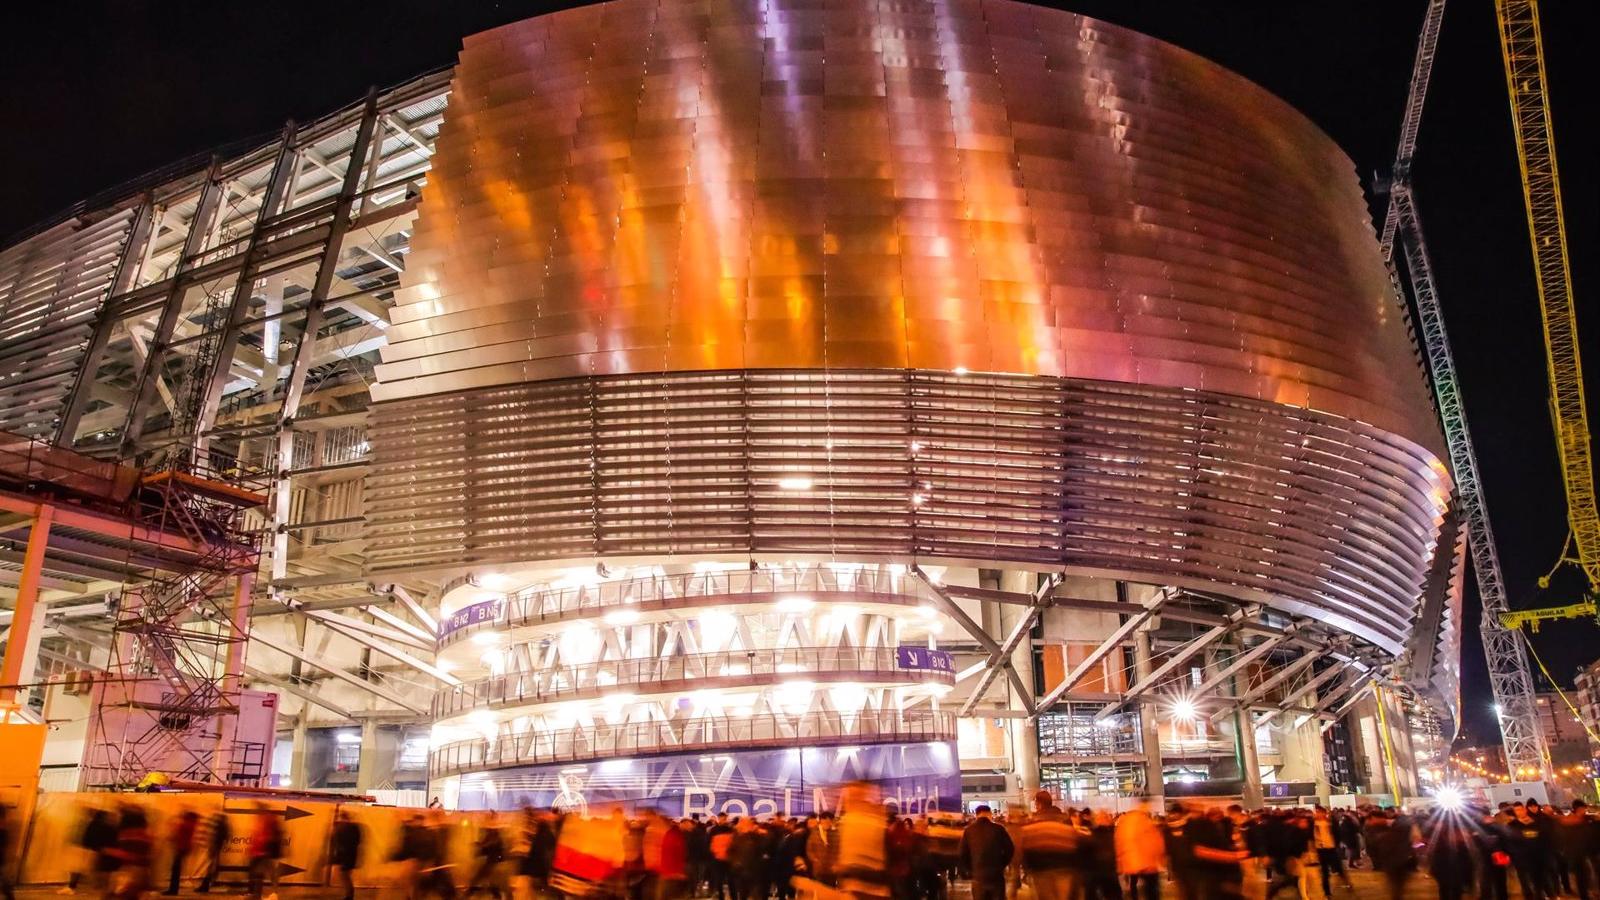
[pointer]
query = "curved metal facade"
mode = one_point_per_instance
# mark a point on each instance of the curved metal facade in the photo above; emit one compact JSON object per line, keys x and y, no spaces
{"x":641,"y":187}
{"x":996,"y":283}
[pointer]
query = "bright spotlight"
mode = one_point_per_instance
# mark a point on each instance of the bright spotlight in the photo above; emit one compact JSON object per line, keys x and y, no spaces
{"x":1184,"y":708}
{"x":1449,"y":799}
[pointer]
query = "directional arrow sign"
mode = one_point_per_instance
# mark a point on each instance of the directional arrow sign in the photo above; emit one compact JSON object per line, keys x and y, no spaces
{"x":289,"y":813}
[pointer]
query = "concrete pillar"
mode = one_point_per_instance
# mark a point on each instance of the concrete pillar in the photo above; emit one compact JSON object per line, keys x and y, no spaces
{"x":1149,"y":728}
{"x":233,"y":672}
{"x":299,"y":758}
{"x":1245,"y":733}
{"x":1024,"y":733}
{"x":27,"y":619}
{"x":368,"y":766}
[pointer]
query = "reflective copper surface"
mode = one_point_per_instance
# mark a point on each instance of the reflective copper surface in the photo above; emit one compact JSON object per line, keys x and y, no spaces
{"x":994,"y":283}
{"x":644,"y":186}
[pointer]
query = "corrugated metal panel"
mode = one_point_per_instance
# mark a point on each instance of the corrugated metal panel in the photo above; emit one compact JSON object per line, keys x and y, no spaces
{"x":52,"y":287}
{"x":1306,"y":511}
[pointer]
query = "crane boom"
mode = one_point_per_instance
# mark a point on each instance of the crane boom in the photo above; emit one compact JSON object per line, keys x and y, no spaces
{"x":1411,"y":122}
{"x":1509,"y":678}
{"x":1523,"y":52}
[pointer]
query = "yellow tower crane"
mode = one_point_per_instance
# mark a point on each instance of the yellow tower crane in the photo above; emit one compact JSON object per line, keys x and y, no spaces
{"x":1522,"y":50}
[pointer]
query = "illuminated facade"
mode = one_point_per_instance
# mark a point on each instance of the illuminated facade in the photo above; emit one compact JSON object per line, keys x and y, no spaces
{"x":913,"y":390}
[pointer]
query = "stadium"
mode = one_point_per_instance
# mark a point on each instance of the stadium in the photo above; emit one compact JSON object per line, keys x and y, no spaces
{"x":709,"y":404}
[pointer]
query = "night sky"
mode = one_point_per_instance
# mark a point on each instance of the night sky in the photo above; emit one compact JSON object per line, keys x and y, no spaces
{"x":97,"y":93}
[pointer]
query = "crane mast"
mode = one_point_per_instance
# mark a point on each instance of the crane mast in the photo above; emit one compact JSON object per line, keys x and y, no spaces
{"x":1522,"y":49}
{"x":1509,"y":678}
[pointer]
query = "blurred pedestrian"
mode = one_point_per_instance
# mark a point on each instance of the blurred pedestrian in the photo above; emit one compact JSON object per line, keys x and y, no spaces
{"x":1101,"y":881}
{"x":1141,"y":853}
{"x":266,"y":848}
{"x":789,"y":859}
{"x":666,"y":858}
{"x":94,"y":863}
{"x":1217,"y":856}
{"x":719,"y":843}
{"x":819,"y":848}
{"x":218,"y":835}
{"x":7,"y":835}
{"x":1451,"y":855}
{"x":345,"y":852}
{"x":180,"y":840}
{"x":697,"y":853}
{"x":1051,"y":846}
{"x":1494,"y":855}
{"x":861,"y":862}
{"x":488,"y":875}
{"x":747,"y":858}
{"x":1575,"y":845}
{"x":984,"y":853}
{"x":1325,"y":840}
{"x":134,"y":849}
{"x":1389,"y":843}
{"x":434,"y":869}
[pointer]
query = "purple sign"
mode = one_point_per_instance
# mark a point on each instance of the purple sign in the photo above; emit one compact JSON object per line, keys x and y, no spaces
{"x":914,"y":779}
{"x":482,"y":611}
{"x":913,"y":657}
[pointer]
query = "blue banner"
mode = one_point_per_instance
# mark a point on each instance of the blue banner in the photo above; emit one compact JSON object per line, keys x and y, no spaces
{"x":482,"y":611}
{"x":913,"y":778}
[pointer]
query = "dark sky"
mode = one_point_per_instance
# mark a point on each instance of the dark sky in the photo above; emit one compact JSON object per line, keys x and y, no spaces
{"x":95,"y":93}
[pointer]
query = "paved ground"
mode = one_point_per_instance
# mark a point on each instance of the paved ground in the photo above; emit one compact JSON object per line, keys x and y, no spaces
{"x":1367,"y":887}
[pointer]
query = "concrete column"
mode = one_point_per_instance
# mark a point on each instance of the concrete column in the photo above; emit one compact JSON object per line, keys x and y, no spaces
{"x":1149,"y":728}
{"x":367,"y":768}
{"x":233,"y":672}
{"x":1245,"y":733}
{"x":299,"y":759}
{"x":27,"y":619}
{"x":1024,"y":733}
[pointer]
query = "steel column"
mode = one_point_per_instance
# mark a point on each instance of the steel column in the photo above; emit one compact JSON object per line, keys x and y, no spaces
{"x":239,"y":304}
{"x":233,"y":671}
{"x":199,"y":227}
{"x":27,"y":623}
{"x":316,"y":306}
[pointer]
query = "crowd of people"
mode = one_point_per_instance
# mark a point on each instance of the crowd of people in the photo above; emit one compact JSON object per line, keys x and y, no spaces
{"x":864,"y":850}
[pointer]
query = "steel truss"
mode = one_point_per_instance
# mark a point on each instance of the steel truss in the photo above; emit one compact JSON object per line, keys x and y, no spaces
{"x":1509,"y":677}
{"x":226,"y":317}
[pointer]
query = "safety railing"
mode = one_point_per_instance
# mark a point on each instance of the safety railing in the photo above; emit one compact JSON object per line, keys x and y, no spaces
{"x":30,"y":465}
{"x":870,"y":664}
{"x":541,"y":604}
{"x":604,"y":741}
